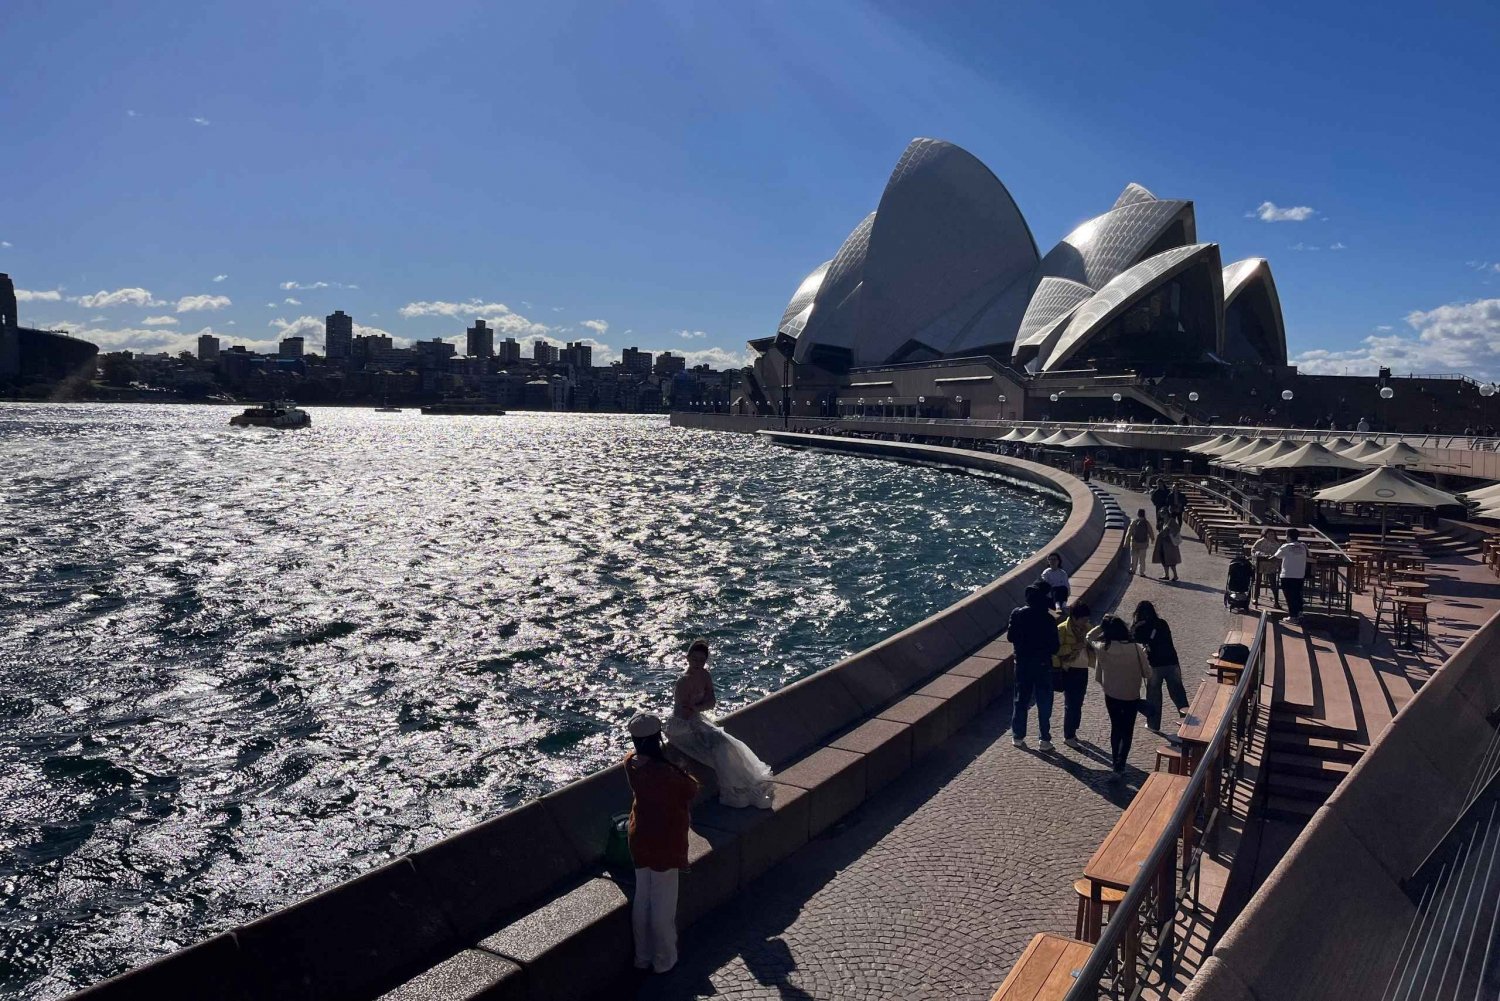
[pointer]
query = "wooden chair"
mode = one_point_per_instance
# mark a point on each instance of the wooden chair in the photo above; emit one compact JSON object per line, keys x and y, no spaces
{"x":1110,"y":897}
{"x":1385,"y":604}
{"x":1414,"y":614}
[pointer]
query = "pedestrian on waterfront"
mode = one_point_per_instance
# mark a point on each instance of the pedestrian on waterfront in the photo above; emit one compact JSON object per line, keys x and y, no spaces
{"x":1120,"y":667}
{"x":1088,"y":467}
{"x":1168,"y":549}
{"x":1070,"y":668}
{"x":1293,"y":557}
{"x":743,"y":779}
{"x":1363,"y":427}
{"x":662,"y":794}
{"x":1262,"y":553}
{"x":1140,"y":535}
{"x":1177,"y":506}
{"x":1151,"y":631}
{"x":1056,"y":579}
{"x":1033,"y":635}
{"x":1161,"y":497}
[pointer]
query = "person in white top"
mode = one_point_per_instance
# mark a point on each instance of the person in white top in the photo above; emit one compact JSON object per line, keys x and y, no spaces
{"x":1363,"y":427}
{"x":1262,"y":553}
{"x":1293,"y":557}
{"x":1056,"y":579}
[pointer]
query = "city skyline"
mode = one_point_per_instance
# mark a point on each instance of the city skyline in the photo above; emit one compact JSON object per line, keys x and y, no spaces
{"x":653,"y":177}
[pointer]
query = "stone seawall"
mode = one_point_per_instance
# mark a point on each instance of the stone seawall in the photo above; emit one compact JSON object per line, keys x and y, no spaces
{"x":530,"y":904}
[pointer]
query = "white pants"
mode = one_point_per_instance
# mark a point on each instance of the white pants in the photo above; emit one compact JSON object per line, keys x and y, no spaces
{"x":653,"y":917}
{"x":1138,"y":556}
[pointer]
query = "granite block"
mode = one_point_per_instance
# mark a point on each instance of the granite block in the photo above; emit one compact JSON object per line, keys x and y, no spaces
{"x":582,"y":811}
{"x":472,"y":975}
{"x":783,"y":725}
{"x":870,"y":679}
{"x":485,"y":876}
{"x":835,"y":784}
{"x":713,"y":874}
{"x":765,"y":836}
{"x":886,"y":746}
{"x":573,"y":945}
{"x":924,"y":715}
{"x":992,"y":674}
{"x":355,"y":941}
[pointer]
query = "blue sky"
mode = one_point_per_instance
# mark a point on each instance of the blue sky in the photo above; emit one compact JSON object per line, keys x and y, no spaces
{"x":663,"y":174}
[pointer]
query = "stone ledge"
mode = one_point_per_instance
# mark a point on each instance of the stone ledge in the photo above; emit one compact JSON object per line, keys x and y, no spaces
{"x":572,"y":945}
{"x":835,"y":783}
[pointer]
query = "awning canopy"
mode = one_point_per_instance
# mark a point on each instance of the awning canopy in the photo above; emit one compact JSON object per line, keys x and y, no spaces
{"x":1398,"y":454}
{"x":1056,"y":438}
{"x":1088,"y":439}
{"x":1264,"y":456}
{"x":1014,"y":434}
{"x":1035,"y":438}
{"x":1363,"y":450}
{"x":1483,"y":495}
{"x":1387,"y":485}
{"x":1245,"y":451}
{"x":1210,"y":445}
{"x":1230,"y":446}
{"x":1313,"y":455}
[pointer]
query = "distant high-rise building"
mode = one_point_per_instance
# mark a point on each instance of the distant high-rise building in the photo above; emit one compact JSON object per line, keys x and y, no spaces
{"x":543,"y":353}
{"x":636,"y":360}
{"x":508,"y":351}
{"x":338,"y":335}
{"x":481,"y":341}
{"x":579,"y":355}
{"x":208,"y":348}
{"x":669,"y":364}
{"x":291,"y":347}
{"x":434,"y":353}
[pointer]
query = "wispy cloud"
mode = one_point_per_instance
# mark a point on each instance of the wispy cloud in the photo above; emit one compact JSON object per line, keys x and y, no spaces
{"x":691,"y":334}
{"x":4,"y":243}
{"x":1338,"y":246}
{"x":44,"y":295}
{"x":159,"y":321}
{"x":497,"y":314}
{"x":119,"y":297}
{"x":292,"y":302}
{"x":200,"y":120}
{"x":309,"y":286}
{"x":1303,"y":246}
{"x":132,"y":113}
{"x":599,"y":327}
{"x":194,"y":303}
{"x":1490,"y":267}
{"x":1460,"y":337}
{"x":1271,"y":212}
{"x":219,"y":278}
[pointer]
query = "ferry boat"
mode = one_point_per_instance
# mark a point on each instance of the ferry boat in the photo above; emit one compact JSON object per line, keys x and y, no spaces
{"x":281,"y":414}
{"x":470,"y":408}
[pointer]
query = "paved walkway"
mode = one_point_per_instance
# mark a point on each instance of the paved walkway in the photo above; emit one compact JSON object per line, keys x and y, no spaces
{"x":932,"y":888}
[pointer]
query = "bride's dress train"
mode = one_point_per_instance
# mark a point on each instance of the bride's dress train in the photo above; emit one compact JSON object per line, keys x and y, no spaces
{"x":744,"y":779}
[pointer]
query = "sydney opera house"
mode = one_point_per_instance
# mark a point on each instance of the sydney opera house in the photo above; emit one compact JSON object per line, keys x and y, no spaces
{"x":943,"y":289}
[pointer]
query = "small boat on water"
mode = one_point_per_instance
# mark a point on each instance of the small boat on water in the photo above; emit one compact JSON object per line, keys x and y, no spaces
{"x":280,"y":414}
{"x":387,"y":410}
{"x":471,"y":408}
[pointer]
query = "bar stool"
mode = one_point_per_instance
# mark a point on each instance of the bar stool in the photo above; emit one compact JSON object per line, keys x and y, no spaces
{"x":1173,"y":758}
{"x":1111,"y":898}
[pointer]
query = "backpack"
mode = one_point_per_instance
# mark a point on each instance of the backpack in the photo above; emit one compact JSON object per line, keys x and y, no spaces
{"x":1140,"y":531}
{"x":1234,"y":653}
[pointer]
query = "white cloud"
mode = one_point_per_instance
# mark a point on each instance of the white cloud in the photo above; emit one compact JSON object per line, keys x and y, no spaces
{"x":132,"y":113}
{"x":1271,"y":212}
{"x":312,"y":328}
{"x":45,"y":295}
{"x":496,"y":314}
{"x":153,"y":339}
{"x":1460,"y":337}
{"x":219,"y":278}
{"x":1303,"y":246}
{"x":719,"y":358}
{"x":200,"y":120}
{"x":5,"y":243}
{"x":599,"y":327}
{"x":309,"y":286}
{"x":1338,"y":246}
{"x":292,"y":302}
{"x":192,"y":303}
{"x":1492,"y":267}
{"x":1385,"y":327}
{"x":689,"y":335}
{"x":119,"y":297}
{"x":159,"y":321}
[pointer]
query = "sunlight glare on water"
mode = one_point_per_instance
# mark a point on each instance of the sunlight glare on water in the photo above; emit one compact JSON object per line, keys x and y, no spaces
{"x":240,"y":665}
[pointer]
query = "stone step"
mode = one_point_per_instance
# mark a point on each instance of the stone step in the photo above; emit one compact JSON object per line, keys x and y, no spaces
{"x":1329,"y":749}
{"x":1298,"y":811}
{"x":1309,"y":765}
{"x":1283,"y":721}
{"x":1300,"y":786}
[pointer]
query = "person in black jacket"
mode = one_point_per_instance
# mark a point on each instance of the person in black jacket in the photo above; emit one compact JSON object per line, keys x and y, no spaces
{"x":1152,"y":632}
{"x":1161,"y":498}
{"x":1033,"y":634}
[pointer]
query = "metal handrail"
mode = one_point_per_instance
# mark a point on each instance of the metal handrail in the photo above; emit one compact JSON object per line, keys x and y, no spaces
{"x":1090,"y":978}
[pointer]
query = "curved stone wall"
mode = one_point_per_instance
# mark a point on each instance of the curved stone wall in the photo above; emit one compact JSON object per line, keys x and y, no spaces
{"x":523,"y":905}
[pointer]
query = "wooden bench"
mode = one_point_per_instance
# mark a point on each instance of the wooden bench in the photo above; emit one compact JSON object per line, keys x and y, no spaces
{"x":1210,"y":706}
{"x":1119,"y":859}
{"x":1046,"y":971}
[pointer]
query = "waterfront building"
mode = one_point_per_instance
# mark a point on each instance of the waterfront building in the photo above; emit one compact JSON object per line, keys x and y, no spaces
{"x":481,"y":340}
{"x":338,"y":336}
{"x":291,"y":347}
{"x":208,"y":348}
{"x":543,"y":353}
{"x":636,"y":360}
{"x":579,"y":355}
{"x":434,"y":354}
{"x":508,"y":352}
{"x":668,"y":364}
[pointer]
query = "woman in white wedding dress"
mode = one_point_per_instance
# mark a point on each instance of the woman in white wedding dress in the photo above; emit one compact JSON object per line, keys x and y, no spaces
{"x":744,"y":779}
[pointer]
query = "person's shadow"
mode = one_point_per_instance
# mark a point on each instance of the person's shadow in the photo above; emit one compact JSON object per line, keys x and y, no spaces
{"x":770,"y":963}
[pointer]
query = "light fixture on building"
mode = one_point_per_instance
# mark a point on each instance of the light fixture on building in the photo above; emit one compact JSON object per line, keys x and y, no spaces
{"x":1286,"y":394}
{"x":1386,"y":392}
{"x":1115,"y":396}
{"x":1193,"y":397}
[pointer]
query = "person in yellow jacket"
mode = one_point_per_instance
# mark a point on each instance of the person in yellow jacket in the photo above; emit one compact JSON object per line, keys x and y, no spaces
{"x":1070,"y":668}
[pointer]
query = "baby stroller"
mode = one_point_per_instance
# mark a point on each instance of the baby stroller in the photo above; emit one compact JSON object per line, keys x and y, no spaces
{"x":1237,"y":584}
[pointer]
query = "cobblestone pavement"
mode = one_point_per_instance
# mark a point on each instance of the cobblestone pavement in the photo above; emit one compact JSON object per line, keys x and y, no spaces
{"x":933,"y":887}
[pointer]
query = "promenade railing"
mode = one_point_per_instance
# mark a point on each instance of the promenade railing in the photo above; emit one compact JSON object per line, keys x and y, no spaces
{"x":1137,"y":954}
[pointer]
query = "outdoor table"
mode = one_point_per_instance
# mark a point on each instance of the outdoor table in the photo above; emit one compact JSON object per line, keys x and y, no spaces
{"x":1119,"y":859}
{"x":1410,"y":588}
{"x":1045,"y":971}
{"x":1403,"y":619}
{"x":1202,"y":721}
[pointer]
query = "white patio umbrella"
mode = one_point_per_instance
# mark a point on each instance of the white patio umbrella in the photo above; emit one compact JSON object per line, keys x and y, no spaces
{"x":1386,"y":487}
{"x":1339,"y":444}
{"x":1483,"y":495}
{"x":1363,"y":450}
{"x":1087,"y":439}
{"x":1233,"y":445}
{"x":1056,"y":438}
{"x":1264,"y":456}
{"x":1490,"y":510}
{"x":1313,"y":455}
{"x":1035,"y":438}
{"x":1258,"y":445}
{"x":1211,"y":444}
{"x":1014,"y":434}
{"x":1397,"y":454}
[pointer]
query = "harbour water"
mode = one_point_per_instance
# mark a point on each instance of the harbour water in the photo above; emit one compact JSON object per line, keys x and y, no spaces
{"x":238,"y":666}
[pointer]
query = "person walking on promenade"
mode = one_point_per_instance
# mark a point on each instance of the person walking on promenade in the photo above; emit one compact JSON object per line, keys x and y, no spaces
{"x":1177,"y":504}
{"x":1088,"y":467}
{"x":1070,"y":668}
{"x":1119,"y":667}
{"x":1168,"y":549}
{"x":1152,"y":632}
{"x":662,"y":794}
{"x":1293,"y":557}
{"x":1056,"y":579}
{"x":1033,"y":634}
{"x":1161,"y":497}
{"x":1261,"y":554}
{"x":1139,"y":534}
{"x":744,"y":779}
